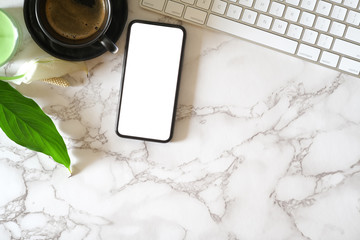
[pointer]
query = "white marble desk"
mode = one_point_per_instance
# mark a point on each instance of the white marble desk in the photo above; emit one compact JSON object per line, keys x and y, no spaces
{"x":266,"y":147}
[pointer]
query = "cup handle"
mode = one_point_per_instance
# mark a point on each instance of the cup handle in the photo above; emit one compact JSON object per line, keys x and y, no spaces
{"x":108,"y":44}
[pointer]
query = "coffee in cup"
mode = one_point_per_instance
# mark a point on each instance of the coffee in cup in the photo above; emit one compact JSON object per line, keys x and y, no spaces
{"x":75,"y":20}
{"x":75,"y":23}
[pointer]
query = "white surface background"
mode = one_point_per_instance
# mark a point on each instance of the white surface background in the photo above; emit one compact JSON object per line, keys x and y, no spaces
{"x":266,"y":146}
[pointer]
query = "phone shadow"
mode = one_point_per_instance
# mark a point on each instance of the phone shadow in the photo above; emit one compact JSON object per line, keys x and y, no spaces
{"x":188,"y":83}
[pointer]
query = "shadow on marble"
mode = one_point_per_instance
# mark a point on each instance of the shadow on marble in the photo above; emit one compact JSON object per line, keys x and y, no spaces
{"x":187,"y":90}
{"x":85,"y":158}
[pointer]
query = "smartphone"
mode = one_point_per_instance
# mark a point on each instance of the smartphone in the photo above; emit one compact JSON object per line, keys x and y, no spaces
{"x":150,"y":81}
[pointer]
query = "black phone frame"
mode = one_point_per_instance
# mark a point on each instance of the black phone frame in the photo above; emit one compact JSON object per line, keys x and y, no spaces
{"x":177,"y":83}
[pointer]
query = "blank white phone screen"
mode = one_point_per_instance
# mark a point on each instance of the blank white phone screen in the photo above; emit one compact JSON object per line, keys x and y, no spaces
{"x":150,"y":81}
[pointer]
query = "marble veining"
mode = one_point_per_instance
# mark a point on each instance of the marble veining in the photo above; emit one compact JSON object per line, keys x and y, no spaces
{"x":266,"y":146}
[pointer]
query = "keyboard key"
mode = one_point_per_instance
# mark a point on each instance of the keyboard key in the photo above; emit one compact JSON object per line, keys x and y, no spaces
{"x":307,"y":19}
{"x":292,"y":14}
{"x":322,"y":24}
{"x":308,"y":4}
{"x":308,"y":52}
{"x":323,"y":8}
{"x":339,"y":13}
{"x":249,"y":16}
{"x":351,"y":3}
{"x":234,"y":11}
{"x":262,"y":5}
{"x":277,"y":9}
{"x":154,"y":4}
{"x":279,"y":26}
{"x":325,"y":41}
{"x":329,"y":59}
{"x":353,"y":18}
{"x":294,"y":31}
{"x":195,"y":15}
{"x":347,"y":48}
{"x":350,"y":66}
{"x":188,"y":1}
{"x":309,"y":36}
{"x":205,"y":4}
{"x":174,"y":8}
{"x":219,"y":6}
{"x":247,"y":3}
{"x":353,"y":34}
{"x":293,"y":2}
{"x":337,"y":29}
{"x":264,"y":21}
{"x":252,"y":34}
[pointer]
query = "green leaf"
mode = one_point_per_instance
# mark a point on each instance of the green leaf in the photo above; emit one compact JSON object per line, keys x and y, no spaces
{"x":24,"y":122}
{"x":11,"y":78}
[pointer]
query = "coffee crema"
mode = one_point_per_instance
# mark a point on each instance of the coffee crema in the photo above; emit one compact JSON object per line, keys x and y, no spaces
{"x":75,"y":20}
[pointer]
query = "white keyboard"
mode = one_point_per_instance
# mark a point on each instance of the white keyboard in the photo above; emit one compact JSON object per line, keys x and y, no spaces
{"x":326,"y":32}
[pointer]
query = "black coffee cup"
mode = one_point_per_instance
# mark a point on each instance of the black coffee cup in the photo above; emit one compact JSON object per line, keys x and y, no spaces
{"x":75,"y":23}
